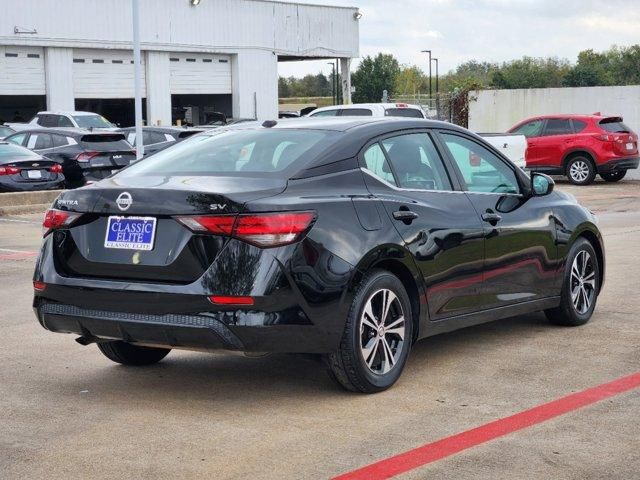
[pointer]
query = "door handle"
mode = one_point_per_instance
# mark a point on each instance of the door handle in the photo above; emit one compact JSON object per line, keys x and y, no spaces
{"x":406,"y":216}
{"x":491,"y":217}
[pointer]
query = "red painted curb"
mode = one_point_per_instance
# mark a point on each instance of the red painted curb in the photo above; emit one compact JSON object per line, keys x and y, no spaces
{"x":448,"y":446}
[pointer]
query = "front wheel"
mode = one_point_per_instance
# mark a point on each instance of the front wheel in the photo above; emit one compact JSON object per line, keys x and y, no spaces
{"x":613,"y":176}
{"x":377,"y":336}
{"x":580,"y":287}
{"x":581,"y":171}
{"x":128,"y":354}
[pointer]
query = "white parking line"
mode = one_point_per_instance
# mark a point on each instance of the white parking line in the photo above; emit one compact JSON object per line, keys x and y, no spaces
{"x":10,"y":250}
{"x":15,"y":220}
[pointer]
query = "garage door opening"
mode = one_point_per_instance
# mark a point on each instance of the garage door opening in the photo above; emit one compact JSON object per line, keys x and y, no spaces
{"x":120,"y":111}
{"x":199,"y":109}
{"x":21,"y":108}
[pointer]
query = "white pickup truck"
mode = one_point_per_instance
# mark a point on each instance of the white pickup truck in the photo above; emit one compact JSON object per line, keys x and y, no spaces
{"x":512,"y":146}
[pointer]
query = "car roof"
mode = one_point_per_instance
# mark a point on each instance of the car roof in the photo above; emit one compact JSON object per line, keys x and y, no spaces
{"x":369,"y":105}
{"x":70,"y":131}
{"x":68,"y":112}
{"x":167,"y":129}
{"x":576,"y":116}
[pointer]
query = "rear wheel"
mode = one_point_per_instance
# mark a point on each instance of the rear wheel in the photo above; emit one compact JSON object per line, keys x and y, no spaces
{"x":377,"y":336}
{"x":580,"y":170}
{"x":613,"y":176}
{"x":580,"y":287}
{"x":127,"y":354}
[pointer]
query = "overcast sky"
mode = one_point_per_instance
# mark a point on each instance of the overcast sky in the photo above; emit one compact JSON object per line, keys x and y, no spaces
{"x":485,"y":30}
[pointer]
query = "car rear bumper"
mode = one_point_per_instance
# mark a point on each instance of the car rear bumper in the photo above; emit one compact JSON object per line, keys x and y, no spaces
{"x":619,"y":164}
{"x":11,"y":186}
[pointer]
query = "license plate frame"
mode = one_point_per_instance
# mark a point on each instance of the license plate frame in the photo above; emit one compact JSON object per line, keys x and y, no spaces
{"x":131,"y":238}
{"x":34,"y":174}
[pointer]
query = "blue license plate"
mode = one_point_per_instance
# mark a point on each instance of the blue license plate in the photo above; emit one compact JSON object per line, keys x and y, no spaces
{"x":130,"y":233}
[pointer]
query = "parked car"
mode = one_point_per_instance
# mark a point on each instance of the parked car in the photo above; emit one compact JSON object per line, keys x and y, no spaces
{"x":580,"y":146}
{"x":370,"y":110}
{"x":351,"y":238}
{"x":22,"y":170}
{"x":86,"y":156}
{"x":155,"y":139}
{"x":76,"y":119}
{"x":511,"y":145}
{"x":5,"y":131}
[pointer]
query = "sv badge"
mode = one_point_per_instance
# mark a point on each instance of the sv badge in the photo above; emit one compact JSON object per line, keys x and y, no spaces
{"x":217,"y":206}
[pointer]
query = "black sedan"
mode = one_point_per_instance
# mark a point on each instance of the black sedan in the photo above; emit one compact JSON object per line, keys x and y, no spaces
{"x":349,"y":238}
{"x":155,"y":139}
{"x":86,"y":156}
{"x":22,"y":170}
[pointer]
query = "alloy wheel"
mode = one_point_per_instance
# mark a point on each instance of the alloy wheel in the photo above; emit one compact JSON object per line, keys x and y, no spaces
{"x":583,"y":282}
{"x":579,"y":170}
{"x":382,"y":331}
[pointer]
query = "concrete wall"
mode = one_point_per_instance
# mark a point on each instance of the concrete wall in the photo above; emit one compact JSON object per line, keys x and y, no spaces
{"x":498,"y":110}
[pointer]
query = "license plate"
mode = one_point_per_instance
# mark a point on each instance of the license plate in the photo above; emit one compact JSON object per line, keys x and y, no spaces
{"x":629,"y":146}
{"x":34,"y":174}
{"x":130,"y":233}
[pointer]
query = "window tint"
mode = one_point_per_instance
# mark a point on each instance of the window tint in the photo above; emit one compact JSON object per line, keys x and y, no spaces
{"x":558,"y":126}
{"x":105,"y":143}
{"x":325,"y":113}
{"x":578,"y":125}
{"x":59,"y":141}
{"x":149,"y":138}
{"x":261,"y":151}
{"x":356,"y":112}
{"x":416,"y":162}
{"x":377,"y":164}
{"x":11,"y":151}
{"x":614,"y":125}
{"x":403,"y":112}
{"x":4,"y":131}
{"x":17,"y":139}
{"x":92,"y":121}
{"x":64,"y":121}
{"x":530,"y":129}
{"x":482,"y":170}
{"x":40,"y":141}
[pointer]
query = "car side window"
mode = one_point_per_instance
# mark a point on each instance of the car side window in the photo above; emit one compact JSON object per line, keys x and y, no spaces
{"x":558,"y":126}
{"x":325,"y":113}
{"x":376,"y":163}
{"x":59,"y":141}
{"x":530,"y":129}
{"x":578,"y":125}
{"x":64,"y":121}
{"x":482,"y":170}
{"x":40,"y":141}
{"x":416,"y":162}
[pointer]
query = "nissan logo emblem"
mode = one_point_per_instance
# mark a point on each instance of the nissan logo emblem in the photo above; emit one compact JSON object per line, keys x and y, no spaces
{"x":124,"y":201}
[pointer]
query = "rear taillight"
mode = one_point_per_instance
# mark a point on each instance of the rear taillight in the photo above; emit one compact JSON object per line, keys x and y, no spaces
{"x":39,"y":286}
{"x":55,"y":219}
{"x":9,"y":170}
{"x":262,"y":230}
{"x":226,"y":300}
{"x":86,"y":156}
{"x":401,"y":105}
{"x":57,"y":168}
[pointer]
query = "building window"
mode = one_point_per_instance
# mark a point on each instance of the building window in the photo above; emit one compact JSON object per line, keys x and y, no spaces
{"x":207,"y":60}
{"x":191,"y":59}
{"x":173,"y":59}
{"x":223,"y":60}
{"x":33,"y":55}
{"x":97,"y":60}
{"x":10,"y":54}
{"x":78,"y":60}
{"x":116,"y":61}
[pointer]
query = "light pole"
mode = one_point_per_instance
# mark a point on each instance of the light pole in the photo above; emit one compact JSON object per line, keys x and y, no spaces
{"x":429,"y":52}
{"x":436,"y":60}
{"x":137,"y":77}
{"x":437,"y":90}
{"x":333,"y":82}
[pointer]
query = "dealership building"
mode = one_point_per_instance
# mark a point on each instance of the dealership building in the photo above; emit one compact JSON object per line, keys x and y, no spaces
{"x":198,"y":57}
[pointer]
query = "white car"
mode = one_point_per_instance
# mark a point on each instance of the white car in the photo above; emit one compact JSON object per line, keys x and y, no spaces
{"x":511,"y":145}
{"x":75,"y":119}
{"x":370,"y":110}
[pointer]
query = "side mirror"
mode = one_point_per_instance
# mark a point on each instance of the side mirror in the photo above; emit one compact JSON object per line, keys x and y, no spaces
{"x":541,"y":184}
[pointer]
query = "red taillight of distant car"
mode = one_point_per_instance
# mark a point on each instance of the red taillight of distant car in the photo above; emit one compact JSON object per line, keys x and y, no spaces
{"x":9,"y":170}
{"x":86,"y":156}
{"x":57,"y":168}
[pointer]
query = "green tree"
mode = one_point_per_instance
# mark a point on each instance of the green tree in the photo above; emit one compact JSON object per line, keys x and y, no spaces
{"x":409,"y":80}
{"x":592,"y":69}
{"x":373,"y":76}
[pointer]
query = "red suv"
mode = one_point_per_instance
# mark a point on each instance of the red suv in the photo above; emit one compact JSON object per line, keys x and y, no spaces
{"x":579,"y":146}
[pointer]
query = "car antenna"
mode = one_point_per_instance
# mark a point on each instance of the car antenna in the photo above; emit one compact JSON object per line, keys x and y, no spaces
{"x":269,"y":123}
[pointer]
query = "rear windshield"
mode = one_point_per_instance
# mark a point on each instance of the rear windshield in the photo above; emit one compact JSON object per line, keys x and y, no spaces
{"x":404,"y":112}
{"x":105,"y":143}
{"x":233,"y":152}
{"x":92,"y":121}
{"x":614,"y":125}
{"x":355,"y":112}
{"x":188,"y":133}
{"x":11,"y":150}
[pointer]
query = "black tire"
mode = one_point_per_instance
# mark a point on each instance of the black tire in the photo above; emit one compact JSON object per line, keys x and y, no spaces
{"x":580,"y":170}
{"x":348,"y":365}
{"x":568,"y":313}
{"x":613,"y":176}
{"x":127,"y":354}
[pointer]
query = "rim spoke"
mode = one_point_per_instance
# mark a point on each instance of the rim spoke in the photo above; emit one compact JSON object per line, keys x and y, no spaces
{"x":396,"y":331}
{"x":587,"y":302}
{"x":575,"y":296}
{"x":371,"y":351}
{"x":389,"y":361}
{"x":389,"y":298}
{"x":395,"y":323}
{"x":589,"y":276}
{"x":368,"y":312}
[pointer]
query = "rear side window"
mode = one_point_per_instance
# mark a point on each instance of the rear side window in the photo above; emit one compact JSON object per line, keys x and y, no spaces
{"x":263,"y":151}
{"x":105,"y":143}
{"x":64,"y":121}
{"x":40,"y":141}
{"x":325,"y":113}
{"x":376,"y":163}
{"x":614,"y":125}
{"x":59,"y":141}
{"x":149,"y":138}
{"x":558,"y":126}
{"x":578,"y":125}
{"x":403,"y":112}
{"x":356,"y":112}
{"x":416,"y":162}
{"x":17,"y":139}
